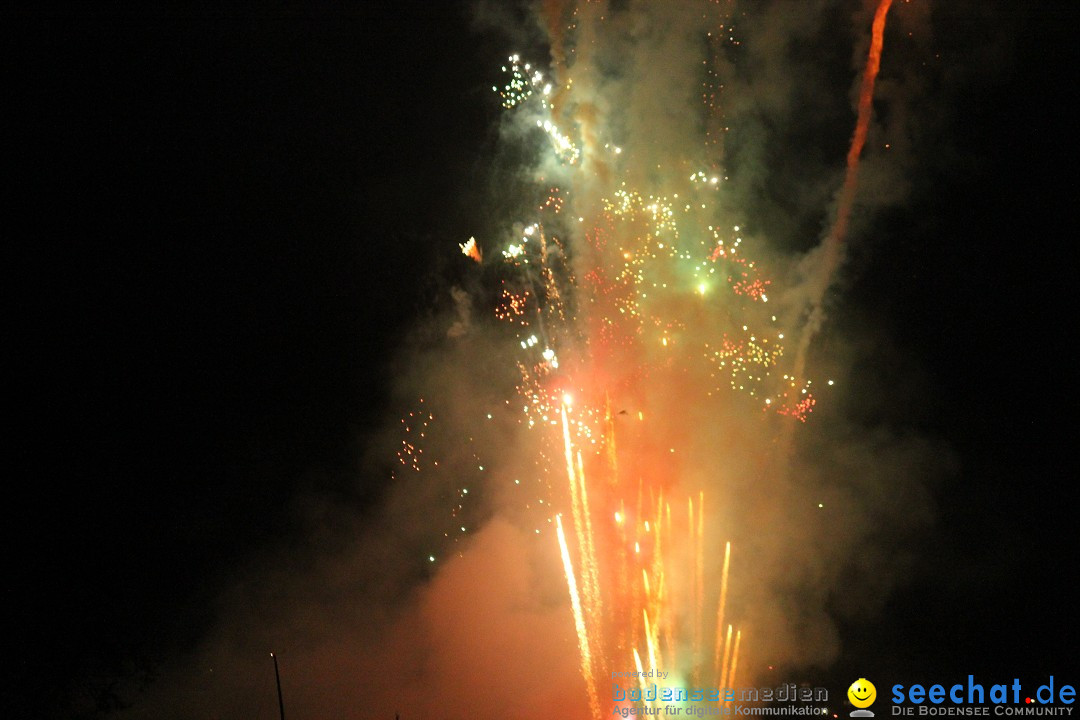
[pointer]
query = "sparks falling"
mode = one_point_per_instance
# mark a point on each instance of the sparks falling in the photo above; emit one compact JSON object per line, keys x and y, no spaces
{"x":620,"y":294}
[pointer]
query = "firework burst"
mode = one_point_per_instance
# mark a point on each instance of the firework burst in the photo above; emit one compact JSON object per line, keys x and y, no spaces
{"x":620,"y":297}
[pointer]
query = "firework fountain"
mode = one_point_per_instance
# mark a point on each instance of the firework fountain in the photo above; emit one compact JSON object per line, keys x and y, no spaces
{"x":637,"y":312}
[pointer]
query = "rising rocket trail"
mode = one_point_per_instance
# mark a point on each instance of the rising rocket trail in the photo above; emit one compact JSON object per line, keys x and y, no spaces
{"x":832,"y":249}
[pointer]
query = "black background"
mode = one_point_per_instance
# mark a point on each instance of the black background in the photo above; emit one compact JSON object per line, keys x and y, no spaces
{"x":221,"y":224}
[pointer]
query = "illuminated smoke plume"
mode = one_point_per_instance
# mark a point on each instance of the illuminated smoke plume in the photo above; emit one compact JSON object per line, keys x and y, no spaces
{"x":588,"y":470}
{"x":832,"y":248}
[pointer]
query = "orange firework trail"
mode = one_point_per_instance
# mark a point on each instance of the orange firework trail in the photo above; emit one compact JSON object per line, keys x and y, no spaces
{"x":720,"y":610}
{"x":584,"y":648}
{"x":730,"y":675}
{"x":832,"y":248}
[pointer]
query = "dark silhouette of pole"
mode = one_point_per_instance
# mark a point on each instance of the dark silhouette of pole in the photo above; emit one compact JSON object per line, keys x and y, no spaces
{"x":277,"y":676}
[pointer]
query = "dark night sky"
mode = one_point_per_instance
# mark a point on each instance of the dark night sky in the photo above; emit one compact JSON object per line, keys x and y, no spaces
{"x":224,"y":221}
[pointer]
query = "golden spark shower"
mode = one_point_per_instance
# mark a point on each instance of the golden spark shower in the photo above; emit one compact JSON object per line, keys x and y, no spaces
{"x":642,"y":316}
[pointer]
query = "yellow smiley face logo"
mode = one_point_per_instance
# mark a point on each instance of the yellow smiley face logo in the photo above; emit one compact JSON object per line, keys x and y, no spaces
{"x":862,"y":693}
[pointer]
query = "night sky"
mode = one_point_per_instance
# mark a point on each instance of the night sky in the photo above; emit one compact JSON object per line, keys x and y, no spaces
{"x":225,"y":222}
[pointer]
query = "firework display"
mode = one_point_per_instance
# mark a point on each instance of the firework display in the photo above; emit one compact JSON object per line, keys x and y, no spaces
{"x":615,"y":295}
{"x":514,"y":359}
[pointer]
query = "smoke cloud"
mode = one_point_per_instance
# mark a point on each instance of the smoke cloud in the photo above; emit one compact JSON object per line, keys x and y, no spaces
{"x":451,"y":604}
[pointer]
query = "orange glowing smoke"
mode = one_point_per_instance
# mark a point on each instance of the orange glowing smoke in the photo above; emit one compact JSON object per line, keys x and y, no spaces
{"x":637,"y":619}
